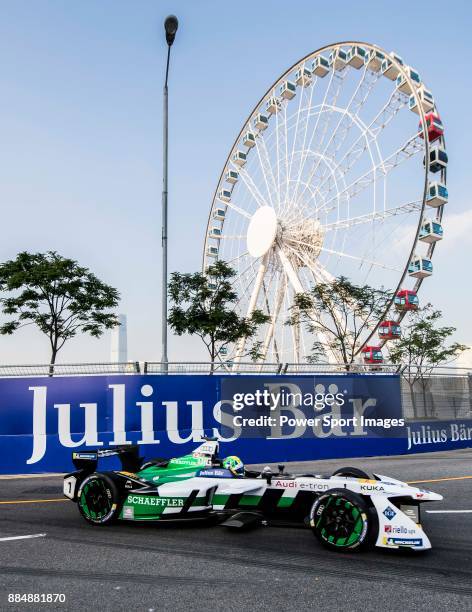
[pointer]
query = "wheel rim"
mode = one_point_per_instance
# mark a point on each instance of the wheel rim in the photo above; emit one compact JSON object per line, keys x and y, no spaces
{"x":341,"y":523}
{"x":95,"y":501}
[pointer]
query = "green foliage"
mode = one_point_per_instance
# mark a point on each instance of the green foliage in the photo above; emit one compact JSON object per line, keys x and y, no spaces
{"x":57,"y":295}
{"x":423,"y":345}
{"x":343,"y":313}
{"x":203,"y":305}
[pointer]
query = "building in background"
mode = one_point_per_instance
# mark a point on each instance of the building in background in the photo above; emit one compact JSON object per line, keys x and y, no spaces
{"x":119,"y":341}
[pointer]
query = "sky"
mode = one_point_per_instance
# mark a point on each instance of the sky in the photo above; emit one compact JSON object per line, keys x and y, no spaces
{"x":81,"y":135}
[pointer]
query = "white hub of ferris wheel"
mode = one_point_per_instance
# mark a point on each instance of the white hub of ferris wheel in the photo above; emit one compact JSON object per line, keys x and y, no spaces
{"x":261,"y":231}
{"x":328,"y":177}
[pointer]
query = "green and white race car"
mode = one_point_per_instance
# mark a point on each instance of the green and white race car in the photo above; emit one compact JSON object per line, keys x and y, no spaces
{"x":350,"y":509}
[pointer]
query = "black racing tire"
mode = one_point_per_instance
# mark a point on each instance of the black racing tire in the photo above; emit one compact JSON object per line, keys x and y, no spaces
{"x":98,"y":499}
{"x":341,"y":520}
{"x":353,"y":472}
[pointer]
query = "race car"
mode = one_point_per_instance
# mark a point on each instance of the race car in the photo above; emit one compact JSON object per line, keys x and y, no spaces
{"x":347,"y":510}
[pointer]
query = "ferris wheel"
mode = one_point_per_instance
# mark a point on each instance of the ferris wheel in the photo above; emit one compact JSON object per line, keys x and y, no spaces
{"x":340,"y":169}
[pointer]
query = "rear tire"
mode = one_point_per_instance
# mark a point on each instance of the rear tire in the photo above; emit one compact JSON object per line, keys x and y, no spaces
{"x":353,"y":473}
{"x":340,"y":520}
{"x":98,"y":500}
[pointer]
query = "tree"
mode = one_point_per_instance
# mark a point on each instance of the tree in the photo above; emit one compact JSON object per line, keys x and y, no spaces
{"x":57,"y":295}
{"x":342,"y":313}
{"x":422,"y":347}
{"x":203,"y":305}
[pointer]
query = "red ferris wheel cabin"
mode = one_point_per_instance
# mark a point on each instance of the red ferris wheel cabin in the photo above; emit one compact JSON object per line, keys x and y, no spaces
{"x":389,"y":330}
{"x":372,"y":354}
{"x":434,"y":126}
{"x":406,"y":299}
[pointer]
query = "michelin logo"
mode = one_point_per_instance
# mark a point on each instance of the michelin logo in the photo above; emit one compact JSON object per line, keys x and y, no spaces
{"x":405,"y":541}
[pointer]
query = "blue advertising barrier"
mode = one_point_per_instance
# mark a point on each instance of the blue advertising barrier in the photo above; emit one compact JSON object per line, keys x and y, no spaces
{"x":42,"y":420}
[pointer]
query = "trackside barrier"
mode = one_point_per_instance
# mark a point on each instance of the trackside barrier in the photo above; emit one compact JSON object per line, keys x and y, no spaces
{"x":44,"y":418}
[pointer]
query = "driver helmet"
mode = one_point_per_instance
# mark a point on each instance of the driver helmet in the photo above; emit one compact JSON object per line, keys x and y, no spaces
{"x":234,"y":465}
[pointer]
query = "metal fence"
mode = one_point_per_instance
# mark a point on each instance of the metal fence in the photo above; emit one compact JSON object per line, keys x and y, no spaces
{"x":68,"y":369}
{"x":438,"y":396}
{"x":219,"y":367}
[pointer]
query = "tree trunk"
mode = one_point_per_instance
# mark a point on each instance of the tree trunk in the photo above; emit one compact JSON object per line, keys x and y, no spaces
{"x":53,"y":360}
{"x":423,"y":390}
{"x":413,"y":399}
{"x":212,"y":357}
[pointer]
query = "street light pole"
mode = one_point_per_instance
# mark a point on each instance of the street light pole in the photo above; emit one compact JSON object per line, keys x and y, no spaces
{"x":171,"y":24}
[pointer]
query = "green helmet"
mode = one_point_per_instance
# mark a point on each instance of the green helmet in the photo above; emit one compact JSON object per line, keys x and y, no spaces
{"x":234,"y":465}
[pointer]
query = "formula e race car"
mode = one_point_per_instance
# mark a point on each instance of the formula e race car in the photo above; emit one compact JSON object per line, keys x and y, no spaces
{"x":350,"y":509}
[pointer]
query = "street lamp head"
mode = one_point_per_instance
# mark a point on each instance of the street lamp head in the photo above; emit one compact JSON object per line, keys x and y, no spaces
{"x":171,"y":24}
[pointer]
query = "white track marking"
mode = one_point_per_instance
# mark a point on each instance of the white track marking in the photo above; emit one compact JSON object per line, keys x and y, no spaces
{"x":449,"y":511}
{"x":24,"y":537}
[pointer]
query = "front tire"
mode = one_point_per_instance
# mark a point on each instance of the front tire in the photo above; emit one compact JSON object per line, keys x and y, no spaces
{"x":98,"y":500}
{"x":340,"y":520}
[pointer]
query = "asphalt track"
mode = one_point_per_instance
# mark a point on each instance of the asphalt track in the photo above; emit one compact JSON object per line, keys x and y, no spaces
{"x":151,"y":568}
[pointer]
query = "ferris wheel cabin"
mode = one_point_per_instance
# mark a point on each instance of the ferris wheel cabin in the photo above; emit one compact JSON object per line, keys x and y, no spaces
{"x":356,"y":57}
{"x":273,"y":105}
{"x":372,"y":354}
{"x":426,"y":100}
{"x":437,"y":159}
{"x":338,"y":59}
{"x":215,"y":232}
{"x":320,"y":66}
{"x":434,"y":127}
{"x":431,"y":231}
{"x":390,"y":69}
{"x":420,"y":267}
{"x":224,"y":195}
{"x":437,"y":195}
{"x":402,"y":83}
{"x":239,"y":158}
{"x":374,"y":60}
{"x":219,"y":214}
{"x":287,"y":90}
{"x":261,"y":122}
{"x":303,"y":77}
{"x":231,"y":176}
{"x":249,"y":140}
{"x":389,"y":330}
{"x":406,"y":299}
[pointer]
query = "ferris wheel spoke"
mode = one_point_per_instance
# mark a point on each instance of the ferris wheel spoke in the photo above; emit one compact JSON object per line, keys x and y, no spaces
{"x":287,"y":178}
{"x":237,"y":209}
{"x":357,"y":100}
{"x":369,"y":262}
{"x":265,"y":166}
{"x":245,"y":281}
{"x":247,"y":179}
{"x":330,"y":99}
{"x":403,"y":209}
{"x":411,"y":147}
{"x":304,"y":117}
{"x":303,"y":208}
{"x":369,"y":133}
{"x":237,"y":258}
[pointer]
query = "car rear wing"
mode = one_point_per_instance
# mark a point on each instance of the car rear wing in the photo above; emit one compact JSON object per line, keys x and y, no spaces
{"x":88,"y":460}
